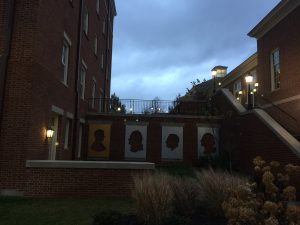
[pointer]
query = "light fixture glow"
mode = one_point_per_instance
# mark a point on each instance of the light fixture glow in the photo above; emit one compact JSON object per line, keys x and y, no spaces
{"x":119,"y":109}
{"x":49,"y":133}
{"x":249,"y":78}
{"x":240,"y":92}
{"x":256,"y":85}
{"x":213,"y":73}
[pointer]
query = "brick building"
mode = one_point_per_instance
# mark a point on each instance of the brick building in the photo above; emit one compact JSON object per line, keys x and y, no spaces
{"x":236,"y":83}
{"x":278,"y":57}
{"x":54,"y":56}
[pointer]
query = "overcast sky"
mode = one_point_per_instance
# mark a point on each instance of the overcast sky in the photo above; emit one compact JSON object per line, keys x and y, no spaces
{"x":160,"y":46}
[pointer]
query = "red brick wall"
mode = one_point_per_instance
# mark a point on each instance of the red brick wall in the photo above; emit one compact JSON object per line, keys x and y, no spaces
{"x":285,"y":36}
{"x":254,"y":138}
{"x":55,"y":182}
{"x":18,"y":102}
{"x":154,"y":135}
{"x":33,"y":81}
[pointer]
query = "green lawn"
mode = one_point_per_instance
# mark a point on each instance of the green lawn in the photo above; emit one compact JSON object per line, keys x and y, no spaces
{"x":58,"y":211}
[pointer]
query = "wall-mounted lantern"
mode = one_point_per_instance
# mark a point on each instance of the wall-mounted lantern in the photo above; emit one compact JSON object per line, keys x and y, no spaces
{"x":49,"y":133}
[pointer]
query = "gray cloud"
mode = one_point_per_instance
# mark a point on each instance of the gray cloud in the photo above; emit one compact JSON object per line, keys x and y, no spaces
{"x":162,"y":45}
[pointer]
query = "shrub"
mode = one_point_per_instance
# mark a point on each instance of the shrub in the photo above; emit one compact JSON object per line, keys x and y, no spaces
{"x":267,"y":200}
{"x":154,"y":197}
{"x":186,"y":196}
{"x":214,"y":188}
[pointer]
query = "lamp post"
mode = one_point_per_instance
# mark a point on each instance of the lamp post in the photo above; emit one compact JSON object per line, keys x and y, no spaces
{"x":214,"y":73}
{"x":249,"y":79}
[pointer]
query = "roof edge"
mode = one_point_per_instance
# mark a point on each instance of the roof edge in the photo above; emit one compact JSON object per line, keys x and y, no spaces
{"x":277,"y":14}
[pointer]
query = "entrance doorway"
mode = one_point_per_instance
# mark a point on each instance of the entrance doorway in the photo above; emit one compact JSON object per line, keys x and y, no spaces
{"x":53,"y":142}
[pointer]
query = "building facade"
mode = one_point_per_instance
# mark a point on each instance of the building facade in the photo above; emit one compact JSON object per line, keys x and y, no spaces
{"x":278,"y":57}
{"x":55,"y":60}
{"x":236,"y":83}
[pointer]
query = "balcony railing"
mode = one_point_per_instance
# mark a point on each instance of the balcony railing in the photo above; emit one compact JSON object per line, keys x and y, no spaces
{"x":138,"y":106}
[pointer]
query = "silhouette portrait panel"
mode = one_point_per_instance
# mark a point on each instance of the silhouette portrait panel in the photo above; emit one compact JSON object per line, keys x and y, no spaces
{"x":136,"y":141}
{"x":208,"y":141}
{"x":99,"y":141}
{"x":172,"y":142}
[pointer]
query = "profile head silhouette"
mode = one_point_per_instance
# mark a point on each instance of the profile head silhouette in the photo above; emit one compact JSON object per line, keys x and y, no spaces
{"x":99,"y":138}
{"x":172,"y":141}
{"x":136,"y":141}
{"x":208,"y":142}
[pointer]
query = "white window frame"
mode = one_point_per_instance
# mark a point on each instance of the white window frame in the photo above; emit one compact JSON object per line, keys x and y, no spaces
{"x":98,"y":6}
{"x":102,"y":61}
{"x":96,"y":45}
{"x":82,"y":79}
{"x":237,"y":87}
{"x":94,"y":86}
{"x":103,"y":27}
{"x":273,"y":75}
{"x":65,"y":55}
{"x":67,"y":131}
{"x":81,"y":126}
{"x":86,"y":21}
{"x":101,"y":102}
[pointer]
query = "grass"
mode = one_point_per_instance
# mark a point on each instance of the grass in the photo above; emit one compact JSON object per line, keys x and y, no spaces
{"x":58,"y":211}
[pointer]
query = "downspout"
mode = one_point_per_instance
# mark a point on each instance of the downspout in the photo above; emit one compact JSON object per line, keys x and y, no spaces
{"x":77,"y":71}
{"x":7,"y":51}
{"x":106,"y":101}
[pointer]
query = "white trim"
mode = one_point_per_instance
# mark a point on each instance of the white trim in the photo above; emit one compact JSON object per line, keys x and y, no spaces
{"x":292,"y":143}
{"x":282,"y":101}
{"x":279,"y":131}
{"x":136,"y":123}
{"x":85,"y":21}
{"x":236,"y":104}
{"x":96,"y":45}
{"x":272,"y":69}
{"x":67,"y":131}
{"x":66,"y":37}
{"x":69,"y":115}
{"x":84,"y":64}
{"x":98,"y":7}
{"x":90,"y":164}
{"x":210,"y":125}
{"x":166,"y":124}
{"x":283,"y":9}
{"x":57,"y":110}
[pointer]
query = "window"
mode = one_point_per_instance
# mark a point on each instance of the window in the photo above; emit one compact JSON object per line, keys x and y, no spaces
{"x":96,"y":45}
{"x":68,"y":134}
{"x":85,"y":21}
{"x":103,"y":27}
{"x":237,"y":88}
{"x":94,"y":86}
{"x":101,"y":101}
{"x":98,"y":6}
{"x":275,"y":69}
{"x":82,"y":80}
{"x":65,"y":58}
{"x":80,"y":140}
{"x":102,"y":61}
